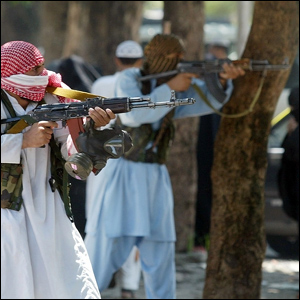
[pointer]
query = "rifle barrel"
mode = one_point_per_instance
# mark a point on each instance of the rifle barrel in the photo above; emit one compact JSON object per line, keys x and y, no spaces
{"x":215,"y":66}
{"x":268,"y":67}
{"x":158,"y":75}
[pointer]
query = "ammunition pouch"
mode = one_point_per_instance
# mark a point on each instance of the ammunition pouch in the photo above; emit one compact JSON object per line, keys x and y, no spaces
{"x":11,"y":174}
{"x":144,"y":135}
{"x":161,"y":141}
{"x":95,"y":148}
{"x":11,"y":186}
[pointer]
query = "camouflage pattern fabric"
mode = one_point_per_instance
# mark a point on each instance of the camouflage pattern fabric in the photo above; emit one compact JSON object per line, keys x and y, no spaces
{"x":143,"y":135}
{"x":11,"y":174}
{"x":11,"y":186}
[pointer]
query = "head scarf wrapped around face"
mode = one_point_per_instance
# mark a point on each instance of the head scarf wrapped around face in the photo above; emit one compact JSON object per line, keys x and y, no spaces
{"x":157,"y":51}
{"x":17,"y":58}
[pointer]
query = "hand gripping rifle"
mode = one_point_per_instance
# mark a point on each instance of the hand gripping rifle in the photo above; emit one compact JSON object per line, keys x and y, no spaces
{"x":209,"y":69}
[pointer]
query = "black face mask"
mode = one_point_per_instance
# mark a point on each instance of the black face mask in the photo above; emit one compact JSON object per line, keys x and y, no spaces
{"x":95,"y":148}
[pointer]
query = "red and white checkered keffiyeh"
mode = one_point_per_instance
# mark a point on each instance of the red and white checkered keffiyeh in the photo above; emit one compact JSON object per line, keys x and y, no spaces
{"x":17,"y":58}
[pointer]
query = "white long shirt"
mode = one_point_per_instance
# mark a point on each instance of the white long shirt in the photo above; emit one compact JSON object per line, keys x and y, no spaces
{"x":42,"y":253}
{"x":136,"y":197}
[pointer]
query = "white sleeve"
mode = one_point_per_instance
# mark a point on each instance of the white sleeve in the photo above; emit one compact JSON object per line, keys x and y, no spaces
{"x":127,"y":85}
{"x":11,"y":144}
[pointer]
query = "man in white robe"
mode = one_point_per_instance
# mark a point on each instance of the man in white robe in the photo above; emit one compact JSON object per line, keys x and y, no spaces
{"x":42,"y":253}
{"x":128,"y":54}
{"x":136,"y":206}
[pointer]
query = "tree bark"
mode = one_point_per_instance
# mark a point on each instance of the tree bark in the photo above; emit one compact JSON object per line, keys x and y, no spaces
{"x":237,"y":237}
{"x":90,"y":29}
{"x":110,"y":23}
{"x":76,"y":27}
{"x":182,"y":160}
{"x":19,"y":21}
{"x":53,"y":20}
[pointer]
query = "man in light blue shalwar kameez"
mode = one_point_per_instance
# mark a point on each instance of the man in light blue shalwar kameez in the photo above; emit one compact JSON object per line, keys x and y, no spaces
{"x":130,"y":202}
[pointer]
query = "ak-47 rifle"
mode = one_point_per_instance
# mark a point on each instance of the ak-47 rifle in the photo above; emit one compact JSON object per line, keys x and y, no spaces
{"x":209,"y":69}
{"x":94,"y":147}
{"x":65,"y":111}
{"x":216,"y":66}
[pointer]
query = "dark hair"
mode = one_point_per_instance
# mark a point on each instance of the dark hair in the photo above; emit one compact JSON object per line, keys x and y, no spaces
{"x":128,"y":61}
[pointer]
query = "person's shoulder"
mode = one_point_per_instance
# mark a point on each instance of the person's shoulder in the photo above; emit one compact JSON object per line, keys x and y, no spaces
{"x":130,"y":72}
{"x":106,"y":78}
{"x":104,"y":81}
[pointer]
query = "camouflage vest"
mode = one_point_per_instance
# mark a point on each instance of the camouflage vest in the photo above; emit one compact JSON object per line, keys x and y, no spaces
{"x":11,"y":174}
{"x":161,"y":141}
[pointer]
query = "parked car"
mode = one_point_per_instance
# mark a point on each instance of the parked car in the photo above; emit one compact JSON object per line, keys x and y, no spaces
{"x":281,"y":231}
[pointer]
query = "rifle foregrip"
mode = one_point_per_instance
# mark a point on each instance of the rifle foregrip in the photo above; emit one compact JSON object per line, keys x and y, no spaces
{"x":116,"y":105}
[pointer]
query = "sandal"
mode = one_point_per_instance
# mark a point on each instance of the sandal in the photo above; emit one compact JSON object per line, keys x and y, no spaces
{"x":127,"y":294}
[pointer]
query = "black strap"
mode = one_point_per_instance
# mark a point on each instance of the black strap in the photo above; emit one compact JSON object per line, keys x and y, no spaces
{"x":7,"y":104}
{"x":10,"y":109}
{"x":59,"y":177}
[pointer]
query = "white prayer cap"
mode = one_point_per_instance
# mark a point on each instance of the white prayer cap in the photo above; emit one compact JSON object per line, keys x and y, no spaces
{"x":129,"y":49}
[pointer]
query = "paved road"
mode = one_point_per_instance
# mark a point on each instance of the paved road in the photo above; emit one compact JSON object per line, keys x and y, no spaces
{"x":280,"y":279}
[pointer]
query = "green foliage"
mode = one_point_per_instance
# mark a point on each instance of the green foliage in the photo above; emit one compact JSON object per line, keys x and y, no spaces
{"x":220,"y":9}
{"x":24,"y":3}
{"x":149,"y":5}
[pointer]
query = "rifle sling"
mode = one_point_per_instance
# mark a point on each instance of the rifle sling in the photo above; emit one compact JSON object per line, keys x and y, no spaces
{"x":238,"y":115}
{"x":20,"y":125}
{"x":72,"y":94}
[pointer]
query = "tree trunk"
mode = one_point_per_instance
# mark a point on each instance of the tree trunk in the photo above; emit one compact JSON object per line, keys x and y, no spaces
{"x":53,"y":20}
{"x":90,"y":29}
{"x":76,"y":27}
{"x":245,"y":12}
{"x":110,"y":23}
{"x":237,"y":236}
{"x":19,"y":21}
{"x":182,"y":160}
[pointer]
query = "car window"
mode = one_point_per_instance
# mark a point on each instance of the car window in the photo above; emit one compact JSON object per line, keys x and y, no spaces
{"x":278,"y":132}
{"x":293,"y":79}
